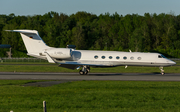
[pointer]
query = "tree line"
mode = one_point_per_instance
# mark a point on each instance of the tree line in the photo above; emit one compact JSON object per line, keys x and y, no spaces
{"x":147,"y":33}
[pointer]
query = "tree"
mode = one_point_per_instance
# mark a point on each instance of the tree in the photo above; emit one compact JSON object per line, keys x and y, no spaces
{"x":151,"y":32}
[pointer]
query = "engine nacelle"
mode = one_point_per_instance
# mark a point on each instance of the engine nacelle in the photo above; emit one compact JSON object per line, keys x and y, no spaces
{"x":59,"y":53}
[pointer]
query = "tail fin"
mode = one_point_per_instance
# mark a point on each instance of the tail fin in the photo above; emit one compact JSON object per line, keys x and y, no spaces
{"x":33,"y":42}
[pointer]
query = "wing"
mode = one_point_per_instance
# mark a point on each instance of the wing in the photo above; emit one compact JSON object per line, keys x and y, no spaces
{"x":75,"y":64}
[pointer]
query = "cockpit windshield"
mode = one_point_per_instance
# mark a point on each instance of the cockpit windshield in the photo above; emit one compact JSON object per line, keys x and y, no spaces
{"x":161,"y":56}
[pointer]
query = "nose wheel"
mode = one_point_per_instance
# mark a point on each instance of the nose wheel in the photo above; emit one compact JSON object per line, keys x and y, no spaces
{"x":162,"y":71}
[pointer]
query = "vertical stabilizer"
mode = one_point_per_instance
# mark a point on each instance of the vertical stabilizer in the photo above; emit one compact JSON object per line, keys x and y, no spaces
{"x":33,"y":42}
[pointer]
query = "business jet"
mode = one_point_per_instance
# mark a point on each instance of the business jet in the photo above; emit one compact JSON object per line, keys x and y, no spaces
{"x":84,"y":59}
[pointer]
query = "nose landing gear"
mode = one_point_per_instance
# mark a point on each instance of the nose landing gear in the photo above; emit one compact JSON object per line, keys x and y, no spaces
{"x":162,"y":71}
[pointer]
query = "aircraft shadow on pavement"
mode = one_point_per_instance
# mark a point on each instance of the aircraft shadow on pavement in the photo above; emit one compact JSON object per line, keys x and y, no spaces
{"x":124,"y":74}
{"x":105,"y":74}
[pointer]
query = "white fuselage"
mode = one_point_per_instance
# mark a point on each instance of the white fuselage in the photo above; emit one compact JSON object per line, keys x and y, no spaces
{"x":109,"y":58}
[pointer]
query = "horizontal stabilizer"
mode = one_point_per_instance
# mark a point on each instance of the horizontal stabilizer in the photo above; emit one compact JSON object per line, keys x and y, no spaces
{"x":24,"y":31}
{"x":5,"y":46}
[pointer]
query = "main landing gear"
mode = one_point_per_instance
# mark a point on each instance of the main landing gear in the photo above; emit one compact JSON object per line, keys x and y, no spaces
{"x":84,"y":70}
{"x":162,"y":71}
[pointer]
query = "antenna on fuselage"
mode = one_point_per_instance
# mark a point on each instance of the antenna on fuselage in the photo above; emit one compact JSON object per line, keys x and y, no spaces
{"x":130,"y":50}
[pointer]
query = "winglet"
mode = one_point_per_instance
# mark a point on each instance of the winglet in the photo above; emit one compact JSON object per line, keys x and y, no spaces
{"x":50,"y":60}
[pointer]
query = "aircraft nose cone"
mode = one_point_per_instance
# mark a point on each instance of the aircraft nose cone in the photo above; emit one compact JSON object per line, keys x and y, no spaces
{"x":173,"y":63}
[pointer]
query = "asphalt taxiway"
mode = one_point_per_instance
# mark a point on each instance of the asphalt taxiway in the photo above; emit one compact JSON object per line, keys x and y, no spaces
{"x":90,"y":76}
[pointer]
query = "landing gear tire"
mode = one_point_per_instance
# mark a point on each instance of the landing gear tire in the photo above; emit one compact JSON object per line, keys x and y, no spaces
{"x":162,"y":73}
{"x":85,"y":73}
{"x":81,"y":72}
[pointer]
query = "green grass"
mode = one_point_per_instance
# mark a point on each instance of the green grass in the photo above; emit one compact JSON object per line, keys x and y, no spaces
{"x":91,"y":96}
{"x":177,"y":62}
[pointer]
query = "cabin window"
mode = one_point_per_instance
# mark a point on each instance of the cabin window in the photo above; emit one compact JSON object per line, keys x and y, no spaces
{"x":161,"y":56}
{"x":110,"y":57}
{"x":103,"y":57}
{"x":117,"y":57}
{"x":96,"y":57}
{"x":124,"y":57}
{"x":139,"y":58}
{"x":132,"y":58}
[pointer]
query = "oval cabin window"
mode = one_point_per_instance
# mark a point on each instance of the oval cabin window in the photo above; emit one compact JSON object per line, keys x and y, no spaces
{"x":117,"y":57}
{"x":96,"y":57}
{"x":103,"y":57}
{"x":124,"y":57}
{"x":132,"y":58}
{"x":139,"y":58}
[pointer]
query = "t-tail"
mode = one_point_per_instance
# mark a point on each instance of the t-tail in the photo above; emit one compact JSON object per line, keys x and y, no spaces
{"x":35,"y":46}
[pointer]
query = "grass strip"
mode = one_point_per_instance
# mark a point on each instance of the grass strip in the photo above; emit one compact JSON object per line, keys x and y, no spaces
{"x":88,"y":96}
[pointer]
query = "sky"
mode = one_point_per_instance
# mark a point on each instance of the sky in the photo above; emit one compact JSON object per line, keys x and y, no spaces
{"x":122,"y":7}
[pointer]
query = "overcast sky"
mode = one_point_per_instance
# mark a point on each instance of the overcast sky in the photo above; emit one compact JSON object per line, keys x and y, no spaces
{"x":122,"y":7}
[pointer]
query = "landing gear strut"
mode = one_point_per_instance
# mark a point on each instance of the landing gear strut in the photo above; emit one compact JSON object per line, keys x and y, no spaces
{"x":84,"y":70}
{"x":162,"y":71}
